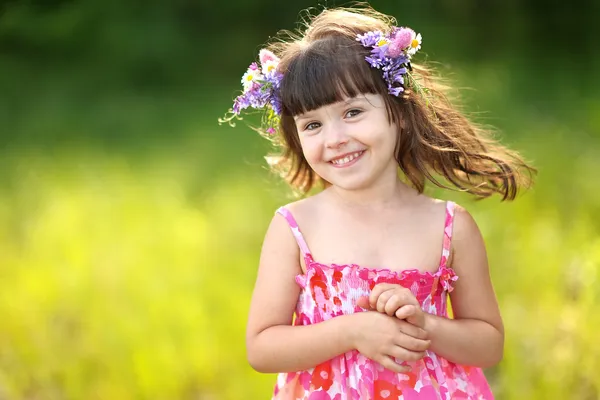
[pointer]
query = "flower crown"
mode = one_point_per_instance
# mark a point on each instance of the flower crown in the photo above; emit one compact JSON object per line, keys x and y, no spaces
{"x":391,"y":53}
{"x":261,"y":86}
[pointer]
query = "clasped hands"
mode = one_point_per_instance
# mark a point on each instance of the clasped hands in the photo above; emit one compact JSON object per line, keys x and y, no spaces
{"x":393,"y":330}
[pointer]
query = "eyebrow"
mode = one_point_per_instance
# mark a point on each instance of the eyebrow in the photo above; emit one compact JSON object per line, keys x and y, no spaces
{"x":347,"y":102}
{"x":353,"y":100}
{"x":301,"y":117}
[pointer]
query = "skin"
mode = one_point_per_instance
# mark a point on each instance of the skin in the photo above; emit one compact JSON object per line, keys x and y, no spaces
{"x":397,"y":228}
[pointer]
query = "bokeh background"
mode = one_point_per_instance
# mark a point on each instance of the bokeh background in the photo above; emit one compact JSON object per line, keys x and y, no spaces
{"x":131,"y":222}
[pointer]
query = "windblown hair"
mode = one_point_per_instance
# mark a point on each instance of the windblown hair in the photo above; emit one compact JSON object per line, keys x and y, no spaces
{"x":325,"y":64}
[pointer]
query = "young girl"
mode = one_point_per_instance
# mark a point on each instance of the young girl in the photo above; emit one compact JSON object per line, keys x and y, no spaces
{"x":367,"y":263}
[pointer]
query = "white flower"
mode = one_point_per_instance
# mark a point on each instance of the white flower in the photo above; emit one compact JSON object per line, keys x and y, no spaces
{"x":382,"y":42}
{"x":251,"y":76}
{"x":269,"y":67}
{"x":415,"y":44}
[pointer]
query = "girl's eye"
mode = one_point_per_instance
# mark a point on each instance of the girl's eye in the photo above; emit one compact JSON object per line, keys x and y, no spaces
{"x":353,"y":113}
{"x":312,"y":126}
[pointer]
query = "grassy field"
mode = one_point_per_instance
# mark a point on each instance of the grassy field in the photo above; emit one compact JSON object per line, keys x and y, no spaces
{"x":126,"y":270}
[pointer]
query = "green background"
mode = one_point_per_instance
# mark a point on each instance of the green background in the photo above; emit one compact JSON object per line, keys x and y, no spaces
{"x":131,"y":222}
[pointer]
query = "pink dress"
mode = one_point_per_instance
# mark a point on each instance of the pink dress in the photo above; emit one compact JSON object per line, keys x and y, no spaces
{"x":332,"y":290}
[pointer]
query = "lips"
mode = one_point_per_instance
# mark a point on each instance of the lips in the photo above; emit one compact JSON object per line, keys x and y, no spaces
{"x":347,"y":159}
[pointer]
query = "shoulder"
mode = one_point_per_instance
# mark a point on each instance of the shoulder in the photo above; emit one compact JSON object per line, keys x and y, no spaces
{"x":288,"y":219}
{"x":432,"y":208}
{"x":467,"y":240}
{"x":304,"y":210}
{"x":465,"y":227}
{"x":279,"y":242}
{"x":456,"y":221}
{"x":284,"y":237}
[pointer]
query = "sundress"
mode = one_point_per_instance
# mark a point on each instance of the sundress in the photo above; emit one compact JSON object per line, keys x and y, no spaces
{"x":328,"y":291}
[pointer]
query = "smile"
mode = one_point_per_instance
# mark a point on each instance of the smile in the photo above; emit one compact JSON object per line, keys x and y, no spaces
{"x":347,"y":160}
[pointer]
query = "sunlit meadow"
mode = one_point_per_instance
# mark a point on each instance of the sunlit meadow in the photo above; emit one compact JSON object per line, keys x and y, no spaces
{"x":126,"y":274}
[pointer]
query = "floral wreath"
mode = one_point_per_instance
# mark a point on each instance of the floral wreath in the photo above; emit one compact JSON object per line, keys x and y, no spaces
{"x":391,"y":53}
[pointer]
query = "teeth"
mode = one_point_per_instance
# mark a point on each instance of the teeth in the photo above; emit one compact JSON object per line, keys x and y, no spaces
{"x":347,"y":159}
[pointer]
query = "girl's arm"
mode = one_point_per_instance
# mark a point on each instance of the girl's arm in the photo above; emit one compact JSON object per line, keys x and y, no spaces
{"x":475,"y":336}
{"x":272,"y":344}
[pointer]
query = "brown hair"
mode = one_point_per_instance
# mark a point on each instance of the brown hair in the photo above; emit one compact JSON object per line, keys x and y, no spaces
{"x":325,"y":63}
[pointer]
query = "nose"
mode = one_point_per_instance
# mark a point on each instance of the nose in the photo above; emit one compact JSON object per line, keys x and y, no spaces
{"x":336,"y":136}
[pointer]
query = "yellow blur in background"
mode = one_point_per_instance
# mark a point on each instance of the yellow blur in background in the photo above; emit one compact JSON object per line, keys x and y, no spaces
{"x":131,"y":222}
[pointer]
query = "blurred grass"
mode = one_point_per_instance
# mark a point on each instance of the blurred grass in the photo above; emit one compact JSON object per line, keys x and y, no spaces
{"x":126,"y":264}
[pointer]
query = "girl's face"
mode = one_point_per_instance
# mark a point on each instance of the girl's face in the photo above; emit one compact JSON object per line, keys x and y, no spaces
{"x":351,"y":143}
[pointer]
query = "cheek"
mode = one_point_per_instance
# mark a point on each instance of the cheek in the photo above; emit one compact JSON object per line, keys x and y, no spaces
{"x":391,"y":139}
{"x":312,"y":150}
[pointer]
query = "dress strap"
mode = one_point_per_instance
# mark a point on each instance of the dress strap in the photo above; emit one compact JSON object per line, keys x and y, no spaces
{"x":449,"y":222}
{"x":297,"y":234}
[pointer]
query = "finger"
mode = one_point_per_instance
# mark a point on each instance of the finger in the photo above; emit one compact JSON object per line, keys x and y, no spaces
{"x":392,"y":365}
{"x":412,"y":343}
{"x":400,"y":353}
{"x":374,"y":296}
{"x":418,"y":319}
{"x":383,"y":299}
{"x":393,"y":304}
{"x":411,"y":314}
{"x":412,"y":330}
{"x":378,"y":290}
{"x":408,"y":297}
{"x":400,"y":297}
{"x":405,"y":311}
{"x":363,"y":302}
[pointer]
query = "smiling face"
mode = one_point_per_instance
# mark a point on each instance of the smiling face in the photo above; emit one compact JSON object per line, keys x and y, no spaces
{"x":338,"y":121}
{"x":350,"y":143}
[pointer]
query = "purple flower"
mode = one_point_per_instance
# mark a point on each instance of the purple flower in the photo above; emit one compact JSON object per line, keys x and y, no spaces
{"x":369,"y":39}
{"x":258,"y":97}
{"x":390,"y":54}
{"x":241,"y":102}
{"x":378,"y":52}
{"x":276,"y":104}
{"x":395,"y":91}
{"x":261,"y":84}
{"x":373,"y":61}
{"x":275,"y":79}
{"x":237,"y":108}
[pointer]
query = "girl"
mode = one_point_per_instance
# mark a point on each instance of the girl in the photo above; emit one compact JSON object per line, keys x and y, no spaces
{"x":367,"y":263}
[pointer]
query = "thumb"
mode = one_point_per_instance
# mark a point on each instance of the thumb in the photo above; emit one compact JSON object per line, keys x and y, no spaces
{"x":406,"y":312}
{"x":363,"y":302}
{"x":409,"y":314}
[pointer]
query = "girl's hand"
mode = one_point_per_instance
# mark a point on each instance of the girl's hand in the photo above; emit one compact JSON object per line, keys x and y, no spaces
{"x":388,"y":340}
{"x":395,"y":300}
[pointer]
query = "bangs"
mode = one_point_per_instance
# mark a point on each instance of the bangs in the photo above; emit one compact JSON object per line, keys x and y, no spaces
{"x":327,"y":72}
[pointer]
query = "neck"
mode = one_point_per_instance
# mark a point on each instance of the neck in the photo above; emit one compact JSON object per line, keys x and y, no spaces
{"x":379,"y":196}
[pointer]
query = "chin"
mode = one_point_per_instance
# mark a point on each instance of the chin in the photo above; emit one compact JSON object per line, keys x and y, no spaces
{"x":354,"y":183}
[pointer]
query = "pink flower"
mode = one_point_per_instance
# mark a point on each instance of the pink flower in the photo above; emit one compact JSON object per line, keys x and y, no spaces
{"x":266,"y":55}
{"x":400,"y":42}
{"x":320,"y":395}
{"x":305,"y":379}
